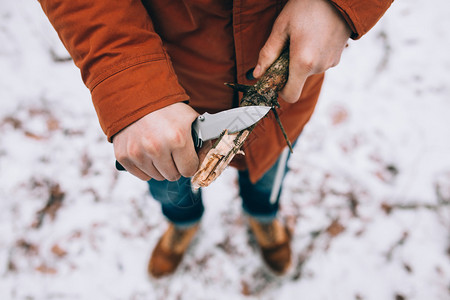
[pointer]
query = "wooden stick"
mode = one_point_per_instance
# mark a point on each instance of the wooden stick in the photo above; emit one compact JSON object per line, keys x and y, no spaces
{"x":263,"y":93}
{"x":218,"y":158}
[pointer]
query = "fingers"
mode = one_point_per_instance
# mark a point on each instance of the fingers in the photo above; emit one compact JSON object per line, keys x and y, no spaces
{"x":139,"y":160}
{"x":182,"y":159}
{"x":132,"y":169}
{"x":271,"y":50}
{"x":145,"y":169}
{"x":300,"y":68}
{"x":159,"y":145}
{"x":186,"y":160}
{"x":147,"y":159}
{"x":317,"y":34}
{"x":151,"y":171}
{"x":171,"y":167}
{"x":165,"y":165}
{"x":151,"y":158}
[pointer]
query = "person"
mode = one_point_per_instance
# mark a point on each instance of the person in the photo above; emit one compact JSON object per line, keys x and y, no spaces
{"x":153,"y":66}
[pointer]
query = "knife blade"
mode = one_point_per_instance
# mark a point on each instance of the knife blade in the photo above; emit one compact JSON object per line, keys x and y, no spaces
{"x":210,"y":126}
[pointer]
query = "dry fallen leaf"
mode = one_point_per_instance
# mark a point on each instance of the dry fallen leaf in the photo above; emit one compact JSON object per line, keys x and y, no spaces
{"x":46,"y":269}
{"x":29,"y":248}
{"x":53,"y":204}
{"x":58,"y":251}
{"x":387,"y":208}
{"x":335,"y":228}
{"x":245,"y":288}
{"x":339,"y":114}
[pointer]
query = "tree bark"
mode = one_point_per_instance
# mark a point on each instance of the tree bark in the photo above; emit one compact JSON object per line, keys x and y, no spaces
{"x":263,"y":93}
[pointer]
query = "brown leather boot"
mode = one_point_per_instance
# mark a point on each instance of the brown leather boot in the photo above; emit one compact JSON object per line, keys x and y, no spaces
{"x":274,"y":240}
{"x":170,"y":249}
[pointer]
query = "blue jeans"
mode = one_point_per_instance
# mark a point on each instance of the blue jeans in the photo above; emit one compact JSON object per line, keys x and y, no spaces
{"x":184,"y":207}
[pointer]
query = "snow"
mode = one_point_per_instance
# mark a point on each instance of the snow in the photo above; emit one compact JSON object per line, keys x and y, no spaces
{"x":367,"y":196}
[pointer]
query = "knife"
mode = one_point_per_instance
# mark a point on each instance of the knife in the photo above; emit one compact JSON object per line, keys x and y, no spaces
{"x":210,"y":126}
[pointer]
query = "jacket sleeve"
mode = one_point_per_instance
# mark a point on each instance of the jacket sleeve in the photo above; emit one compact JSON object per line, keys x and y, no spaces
{"x":121,"y":58}
{"x":361,"y":15}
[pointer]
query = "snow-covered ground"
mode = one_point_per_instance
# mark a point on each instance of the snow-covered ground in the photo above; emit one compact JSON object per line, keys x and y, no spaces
{"x":368,"y":194}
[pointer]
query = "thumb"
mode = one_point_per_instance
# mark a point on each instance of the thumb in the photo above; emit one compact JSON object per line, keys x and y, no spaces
{"x":270,"y":51}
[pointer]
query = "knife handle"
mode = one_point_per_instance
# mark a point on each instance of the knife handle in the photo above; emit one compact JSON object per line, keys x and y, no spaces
{"x":198,"y":143}
{"x":119,"y":167}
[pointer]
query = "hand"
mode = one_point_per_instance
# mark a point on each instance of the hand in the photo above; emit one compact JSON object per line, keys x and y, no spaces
{"x":159,"y":145}
{"x":316,"y":33}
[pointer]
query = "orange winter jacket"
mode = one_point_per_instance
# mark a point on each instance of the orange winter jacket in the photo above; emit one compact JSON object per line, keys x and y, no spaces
{"x":138,"y":56}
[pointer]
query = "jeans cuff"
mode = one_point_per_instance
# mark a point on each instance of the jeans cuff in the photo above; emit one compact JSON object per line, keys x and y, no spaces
{"x":260,"y":217}
{"x":184,"y":224}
